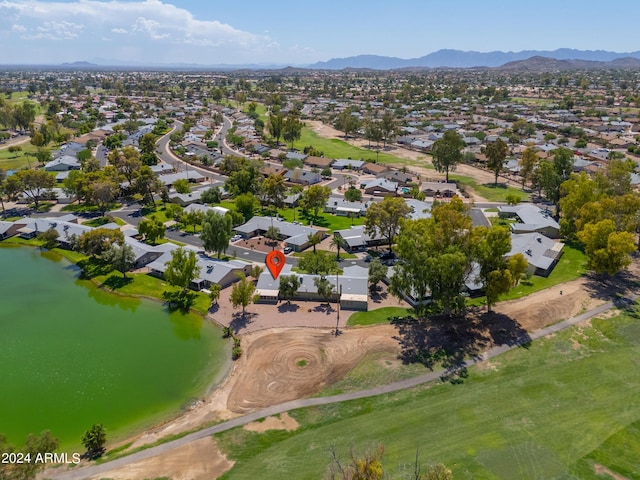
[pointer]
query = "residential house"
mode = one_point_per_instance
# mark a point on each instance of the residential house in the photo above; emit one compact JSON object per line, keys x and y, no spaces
{"x":438,"y":189}
{"x":380,"y":187}
{"x":344,"y":164}
{"x":63,"y":163}
{"x":541,"y":252}
{"x":302,"y":177}
{"x":294,"y":235}
{"x":531,"y":219}
{"x":350,"y":288}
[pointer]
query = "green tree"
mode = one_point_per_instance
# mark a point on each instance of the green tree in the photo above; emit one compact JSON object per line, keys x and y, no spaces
{"x":497,"y":283}
{"x":377,"y":272}
{"x":383,"y":218}
{"x":121,"y":257}
{"x":182,"y":186}
{"x":274,"y":190}
{"x":212,"y":195}
{"x":315,"y":198}
{"x":323,"y":287}
{"x":387,"y":127}
{"x":336,"y":243}
{"x":152,"y":229}
{"x":147,"y":143}
{"x":517,"y":264}
{"x":314,"y":239}
{"x":318,"y":263}
{"x":292,"y":129}
{"x":35,"y":184}
{"x":216,"y":232}
{"x":95,"y":242}
{"x":360,"y":467}
{"x":289,"y":285}
{"x":243,"y":293}
{"x":94,"y":440}
{"x":496,"y":153}
{"x":527,"y":164}
{"x":247,"y":204}
{"x":347,"y":123}
{"x":607,"y":250}
{"x":275,"y":125}
{"x":182,"y":269}
{"x":273,"y":234}
{"x":193,"y":218}
{"x":447,"y":152}
{"x":353,"y":194}
{"x":214,"y":292}
{"x":49,"y":238}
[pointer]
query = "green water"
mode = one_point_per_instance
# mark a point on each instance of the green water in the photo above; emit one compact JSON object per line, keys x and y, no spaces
{"x":72,"y":355}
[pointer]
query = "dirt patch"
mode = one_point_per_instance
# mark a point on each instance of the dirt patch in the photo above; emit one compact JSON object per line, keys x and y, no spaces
{"x":602,"y":470}
{"x":199,"y":460}
{"x":280,"y":422}
{"x":274,"y":372}
{"x":548,"y":306}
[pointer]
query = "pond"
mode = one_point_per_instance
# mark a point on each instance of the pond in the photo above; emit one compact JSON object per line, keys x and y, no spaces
{"x":72,"y":355}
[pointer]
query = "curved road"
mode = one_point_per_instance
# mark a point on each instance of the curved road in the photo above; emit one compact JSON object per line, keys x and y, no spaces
{"x":87,"y":472}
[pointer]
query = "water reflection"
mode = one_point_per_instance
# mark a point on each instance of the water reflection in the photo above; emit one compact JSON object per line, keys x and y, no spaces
{"x":130,"y":304}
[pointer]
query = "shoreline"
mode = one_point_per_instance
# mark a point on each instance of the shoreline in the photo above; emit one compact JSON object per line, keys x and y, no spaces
{"x":214,"y":375}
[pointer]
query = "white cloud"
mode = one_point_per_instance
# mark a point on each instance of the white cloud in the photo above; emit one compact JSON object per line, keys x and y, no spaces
{"x":151,"y":19}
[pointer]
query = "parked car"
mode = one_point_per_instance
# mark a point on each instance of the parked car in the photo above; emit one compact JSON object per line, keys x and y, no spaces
{"x":288,"y":249}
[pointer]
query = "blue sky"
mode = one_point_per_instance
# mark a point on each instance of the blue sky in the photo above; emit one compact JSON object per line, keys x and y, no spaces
{"x":300,"y":32}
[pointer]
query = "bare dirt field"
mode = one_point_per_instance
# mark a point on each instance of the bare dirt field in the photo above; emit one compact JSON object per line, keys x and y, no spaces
{"x":199,"y":460}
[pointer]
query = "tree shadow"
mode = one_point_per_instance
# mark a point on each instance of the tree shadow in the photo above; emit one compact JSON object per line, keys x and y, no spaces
{"x":498,"y":185}
{"x":93,"y":267}
{"x":618,"y":288}
{"x":115,"y":282}
{"x":288,"y":308}
{"x":445,"y":342}
{"x":378,"y":295}
{"x":324,"y":308}
{"x":214,"y":307}
{"x":240,"y":320}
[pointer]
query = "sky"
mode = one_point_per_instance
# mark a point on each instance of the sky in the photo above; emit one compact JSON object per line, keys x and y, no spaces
{"x":301,"y":32}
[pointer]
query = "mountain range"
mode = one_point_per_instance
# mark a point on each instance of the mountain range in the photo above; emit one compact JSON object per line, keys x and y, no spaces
{"x":467,"y":59}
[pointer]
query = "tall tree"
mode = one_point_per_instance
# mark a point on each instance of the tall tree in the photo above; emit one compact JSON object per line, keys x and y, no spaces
{"x":274,"y":190}
{"x":247,"y":204}
{"x":318,"y":263}
{"x":496,"y":153}
{"x":323,"y":287}
{"x":120,"y":256}
{"x":289,"y":285}
{"x":242,"y":293}
{"x":527,"y":164}
{"x":35,"y":184}
{"x":447,"y":152}
{"x":315,"y":198}
{"x":292,"y":129}
{"x":607,"y":250}
{"x":95,"y":242}
{"x":314,"y":239}
{"x":377,"y":272}
{"x":383,"y":218}
{"x":94,"y":440}
{"x":387,"y":127}
{"x":275,"y":125}
{"x":216,"y":232}
{"x":182,"y":269}
{"x":152,"y":228}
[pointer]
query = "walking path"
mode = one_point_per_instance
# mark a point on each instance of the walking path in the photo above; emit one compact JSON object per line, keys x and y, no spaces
{"x":88,"y":472}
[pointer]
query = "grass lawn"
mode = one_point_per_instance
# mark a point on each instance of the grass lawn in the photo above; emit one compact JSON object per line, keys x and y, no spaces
{"x":324,"y":220}
{"x":17,"y":160}
{"x":379,"y":315}
{"x":343,"y":255}
{"x":490,"y":191}
{"x":98,"y":222}
{"x":336,"y":148}
{"x":570,"y":266}
{"x":549,"y":411}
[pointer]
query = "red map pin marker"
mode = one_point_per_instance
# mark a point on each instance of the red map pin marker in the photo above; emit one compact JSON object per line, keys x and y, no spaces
{"x":275,"y":262}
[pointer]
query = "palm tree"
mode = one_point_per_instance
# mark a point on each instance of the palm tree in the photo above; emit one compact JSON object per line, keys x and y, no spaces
{"x":314,"y":239}
{"x":335,"y":243}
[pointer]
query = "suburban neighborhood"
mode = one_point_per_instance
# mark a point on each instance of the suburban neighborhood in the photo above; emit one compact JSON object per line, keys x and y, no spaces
{"x":431,"y":220}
